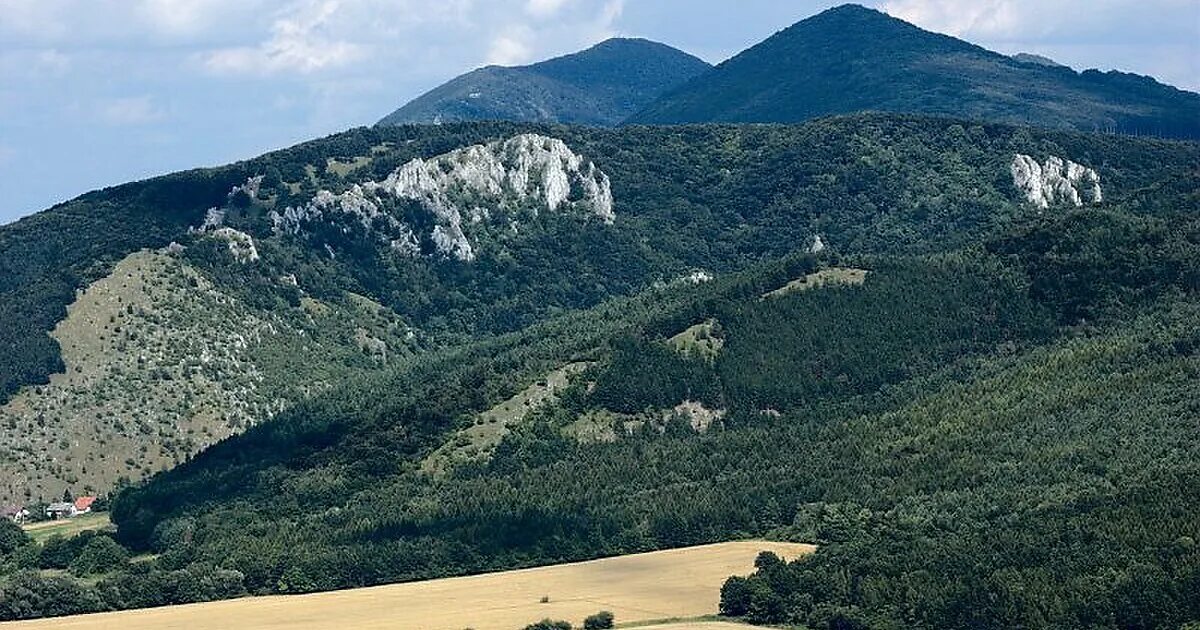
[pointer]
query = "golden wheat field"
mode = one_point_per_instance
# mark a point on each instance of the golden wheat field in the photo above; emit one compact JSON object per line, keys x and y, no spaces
{"x":674,"y":584}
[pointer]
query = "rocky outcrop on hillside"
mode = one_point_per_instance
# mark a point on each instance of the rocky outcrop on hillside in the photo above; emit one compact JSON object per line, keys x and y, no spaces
{"x":241,"y":245}
{"x":488,"y":184}
{"x":1055,"y":181}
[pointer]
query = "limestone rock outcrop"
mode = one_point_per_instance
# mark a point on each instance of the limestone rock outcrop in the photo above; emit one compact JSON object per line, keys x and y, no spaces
{"x":492,"y":183}
{"x":1055,"y":181}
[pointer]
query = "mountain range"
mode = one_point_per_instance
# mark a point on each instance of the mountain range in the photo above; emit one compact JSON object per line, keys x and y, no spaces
{"x":852,"y":58}
{"x":845,"y":60}
{"x":957,"y":352}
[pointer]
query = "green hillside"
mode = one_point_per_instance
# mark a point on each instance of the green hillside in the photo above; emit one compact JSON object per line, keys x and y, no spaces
{"x":857,"y":331}
{"x":931,"y":310}
{"x":852,"y":59}
{"x":310,"y":263}
{"x":602,"y":85}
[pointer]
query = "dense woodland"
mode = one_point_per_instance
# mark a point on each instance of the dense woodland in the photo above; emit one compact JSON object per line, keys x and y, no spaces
{"x":708,"y":197}
{"x":1018,"y":453}
{"x":996,"y":429}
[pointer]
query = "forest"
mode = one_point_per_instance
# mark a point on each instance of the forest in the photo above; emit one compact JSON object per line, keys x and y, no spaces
{"x":1020,"y":449}
{"x":996,"y":428}
{"x":710,"y":197}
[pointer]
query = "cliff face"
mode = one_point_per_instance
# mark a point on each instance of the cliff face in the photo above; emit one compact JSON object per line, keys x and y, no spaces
{"x":494,"y":183}
{"x":1055,"y":181}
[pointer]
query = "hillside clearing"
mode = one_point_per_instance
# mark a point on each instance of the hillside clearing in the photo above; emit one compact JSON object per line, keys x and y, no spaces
{"x":673,"y":584}
{"x":701,"y":340}
{"x":477,"y":441}
{"x":43,"y":530}
{"x":834,"y":276}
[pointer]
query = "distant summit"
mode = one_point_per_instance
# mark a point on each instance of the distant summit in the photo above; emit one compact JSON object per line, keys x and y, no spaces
{"x":602,"y":85}
{"x":852,"y":58}
{"x":1037,"y":60}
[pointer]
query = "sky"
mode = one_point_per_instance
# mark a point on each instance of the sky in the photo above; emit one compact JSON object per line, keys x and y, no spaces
{"x":99,"y":92}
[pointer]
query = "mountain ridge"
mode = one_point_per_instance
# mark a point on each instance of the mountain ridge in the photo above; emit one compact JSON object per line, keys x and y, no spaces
{"x":456,"y":232}
{"x":601,"y":85}
{"x":853,"y":58}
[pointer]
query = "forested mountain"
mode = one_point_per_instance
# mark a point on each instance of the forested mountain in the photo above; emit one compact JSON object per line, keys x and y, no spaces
{"x":960,"y":356}
{"x":602,"y":85}
{"x":175,"y":306}
{"x":851,"y":59}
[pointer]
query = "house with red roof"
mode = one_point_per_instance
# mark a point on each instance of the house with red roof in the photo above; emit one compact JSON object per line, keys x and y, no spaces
{"x":83,"y":505}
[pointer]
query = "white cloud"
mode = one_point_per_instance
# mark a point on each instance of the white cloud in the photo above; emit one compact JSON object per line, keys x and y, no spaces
{"x":1159,"y":37}
{"x":298,"y":43}
{"x":134,"y":110}
{"x":994,"y":17}
{"x":184,"y":17}
{"x":609,"y":14}
{"x":1066,"y":21}
{"x":544,"y":8}
{"x":32,"y":20}
{"x":510,"y":48}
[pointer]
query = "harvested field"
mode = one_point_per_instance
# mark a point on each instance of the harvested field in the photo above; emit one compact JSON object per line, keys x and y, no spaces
{"x":674,"y":584}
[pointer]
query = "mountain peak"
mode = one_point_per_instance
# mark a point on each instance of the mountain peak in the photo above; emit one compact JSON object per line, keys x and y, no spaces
{"x":601,"y":85}
{"x":851,"y":8}
{"x":852,"y":12}
{"x":852,"y":58}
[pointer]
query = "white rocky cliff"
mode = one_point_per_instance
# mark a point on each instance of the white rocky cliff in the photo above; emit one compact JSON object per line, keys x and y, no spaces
{"x":487,"y":183}
{"x":241,"y":245}
{"x":1056,"y":181}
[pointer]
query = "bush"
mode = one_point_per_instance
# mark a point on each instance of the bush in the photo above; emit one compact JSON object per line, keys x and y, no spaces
{"x":101,"y":555}
{"x":735,"y":597}
{"x":547,"y":624}
{"x":12,"y":537}
{"x":599,"y":621}
{"x":28,"y":595}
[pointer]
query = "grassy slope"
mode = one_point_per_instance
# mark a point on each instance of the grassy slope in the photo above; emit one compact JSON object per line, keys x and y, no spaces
{"x":161,"y":362}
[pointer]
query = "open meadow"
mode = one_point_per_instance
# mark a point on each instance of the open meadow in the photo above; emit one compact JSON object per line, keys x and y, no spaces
{"x":43,"y":530}
{"x":673,"y":584}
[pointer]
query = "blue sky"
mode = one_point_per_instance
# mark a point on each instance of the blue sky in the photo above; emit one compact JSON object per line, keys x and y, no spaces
{"x":99,"y":92}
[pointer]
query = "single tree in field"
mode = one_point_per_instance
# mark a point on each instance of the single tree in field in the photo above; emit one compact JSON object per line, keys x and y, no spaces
{"x":602,"y":620}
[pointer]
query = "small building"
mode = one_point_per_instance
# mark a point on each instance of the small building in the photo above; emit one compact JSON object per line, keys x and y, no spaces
{"x":61,"y":509}
{"x":83,"y":505}
{"x":14,"y":513}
